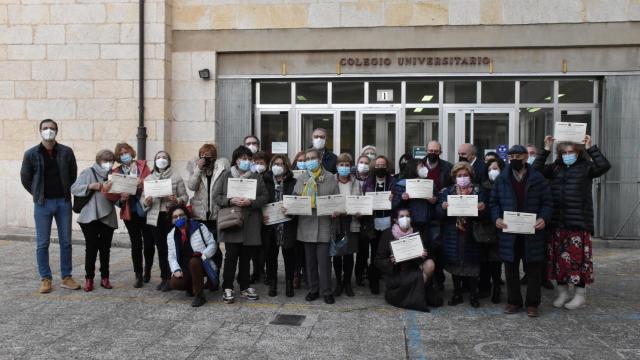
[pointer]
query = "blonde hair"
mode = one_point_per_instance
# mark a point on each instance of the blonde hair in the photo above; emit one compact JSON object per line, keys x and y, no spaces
{"x":345,"y":157}
{"x":462,"y":165}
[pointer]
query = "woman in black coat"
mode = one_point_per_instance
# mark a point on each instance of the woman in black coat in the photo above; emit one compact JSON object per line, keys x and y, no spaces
{"x":279,"y":181}
{"x":571,"y":176}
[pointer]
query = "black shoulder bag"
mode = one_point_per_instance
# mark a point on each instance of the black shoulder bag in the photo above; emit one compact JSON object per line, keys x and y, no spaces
{"x":80,"y":201}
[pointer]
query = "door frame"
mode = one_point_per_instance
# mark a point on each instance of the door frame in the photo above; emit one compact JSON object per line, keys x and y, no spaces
{"x":399,"y":135}
{"x":298,"y":127}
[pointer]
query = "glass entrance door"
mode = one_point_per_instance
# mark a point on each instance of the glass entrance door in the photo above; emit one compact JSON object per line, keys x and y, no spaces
{"x":311,"y":120}
{"x":485,"y":128}
{"x":379,"y":129}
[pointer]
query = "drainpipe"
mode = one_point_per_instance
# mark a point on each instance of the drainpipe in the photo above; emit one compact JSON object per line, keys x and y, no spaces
{"x":142,"y":130}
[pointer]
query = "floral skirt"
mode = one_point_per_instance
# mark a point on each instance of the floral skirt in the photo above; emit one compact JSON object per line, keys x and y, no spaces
{"x":570,"y":257}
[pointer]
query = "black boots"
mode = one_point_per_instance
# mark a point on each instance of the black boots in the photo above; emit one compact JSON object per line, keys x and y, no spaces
{"x":495,"y":294}
{"x":348,"y":290}
{"x":198,"y":300}
{"x":288,"y":288}
{"x":139,"y":280}
{"x":273,"y":288}
{"x":338,"y":290}
{"x":147,"y":276}
{"x":432,"y":294}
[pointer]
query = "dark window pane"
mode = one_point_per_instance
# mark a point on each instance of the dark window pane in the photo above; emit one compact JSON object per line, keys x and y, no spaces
{"x":273,"y":128}
{"x":392,"y":97}
{"x":494,"y":92}
{"x":311,"y":93}
{"x":275,"y":93}
{"x":346,"y":92}
{"x":536,"y":92}
{"x":421,"y":127}
{"x":460,"y":92}
{"x":576,"y":91}
{"x":535,"y":124}
{"x":422,"y":92}
{"x":348,"y":133}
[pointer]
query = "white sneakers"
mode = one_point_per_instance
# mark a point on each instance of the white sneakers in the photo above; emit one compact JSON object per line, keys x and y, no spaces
{"x":579,"y":298}
{"x":227,"y":296}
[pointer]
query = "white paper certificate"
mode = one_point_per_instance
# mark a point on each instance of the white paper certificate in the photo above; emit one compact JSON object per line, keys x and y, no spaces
{"x":420,"y":188}
{"x":407,"y":247}
{"x":519,"y":222}
{"x":297,"y":205}
{"x":568,"y":131}
{"x":121,"y":184}
{"x":462,"y":205}
{"x":158,"y":188}
{"x":381,"y":200}
{"x":362,"y":205}
{"x":274,"y":212}
{"x":297,"y":173}
{"x":242,"y":188}
{"x":330,"y":204}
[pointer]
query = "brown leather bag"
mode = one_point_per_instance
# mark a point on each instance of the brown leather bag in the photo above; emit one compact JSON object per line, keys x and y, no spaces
{"x":230,"y":218}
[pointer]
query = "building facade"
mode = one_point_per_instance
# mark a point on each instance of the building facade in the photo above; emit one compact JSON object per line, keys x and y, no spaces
{"x":390,"y":73}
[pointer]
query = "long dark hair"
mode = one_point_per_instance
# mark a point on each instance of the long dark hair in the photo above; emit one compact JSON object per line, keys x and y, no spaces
{"x":411,"y":169}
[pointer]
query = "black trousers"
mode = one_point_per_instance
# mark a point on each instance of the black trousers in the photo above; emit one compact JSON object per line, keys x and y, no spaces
{"x":237,"y":256}
{"x":213,"y":229}
{"x":532,"y":270}
{"x":300,"y":260}
{"x":471,"y":282}
{"x":142,"y":242}
{"x":362,"y":256}
{"x":373,"y":274}
{"x":343,"y":266}
{"x":259,"y":258}
{"x":160,"y":232}
{"x":271,"y":258}
{"x":98,"y":237}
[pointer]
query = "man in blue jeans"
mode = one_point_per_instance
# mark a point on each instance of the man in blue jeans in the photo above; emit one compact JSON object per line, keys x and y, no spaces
{"x":48,"y":170}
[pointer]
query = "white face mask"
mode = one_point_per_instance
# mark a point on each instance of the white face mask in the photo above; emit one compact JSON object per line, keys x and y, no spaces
{"x":107,"y":165}
{"x":493,"y":174}
{"x":48,"y":134}
{"x":319,"y":143}
{"x":277,"y":170}
{"x":162,"y":163}
{"x":259,"y":168}
{"x":423,"y":172}
{"x":404,"y":222}
{"x":363,"y":168}
{"x":253,"y":148}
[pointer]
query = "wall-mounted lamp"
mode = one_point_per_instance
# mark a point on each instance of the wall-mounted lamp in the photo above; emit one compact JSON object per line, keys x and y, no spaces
{"x":204,"y":74}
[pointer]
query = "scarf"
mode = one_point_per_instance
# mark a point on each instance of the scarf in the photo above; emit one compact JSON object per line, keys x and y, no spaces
{"x":398,"y":233}
{"x":311,"y":186}
{"x":235,"y":173}
{"x":163,"y":174}
{"x":184,"y":233}
{"x":461,"y":221}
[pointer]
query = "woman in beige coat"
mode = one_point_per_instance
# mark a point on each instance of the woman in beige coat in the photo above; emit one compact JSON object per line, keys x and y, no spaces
{"x":315,"y":231}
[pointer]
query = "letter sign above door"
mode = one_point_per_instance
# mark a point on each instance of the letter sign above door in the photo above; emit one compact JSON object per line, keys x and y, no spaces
{"x":385,"y":95}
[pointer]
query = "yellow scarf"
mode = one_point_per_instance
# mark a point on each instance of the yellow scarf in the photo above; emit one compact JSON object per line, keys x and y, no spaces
{"x":311,"y":186}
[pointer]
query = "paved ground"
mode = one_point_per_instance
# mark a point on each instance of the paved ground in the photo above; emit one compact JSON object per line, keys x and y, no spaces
{"x":128,"y":323}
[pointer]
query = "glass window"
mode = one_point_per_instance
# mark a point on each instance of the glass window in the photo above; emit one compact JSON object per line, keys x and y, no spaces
{"x":535,"y":124}
{"x":387,"y":91}
{"x":275,"y":93}
{"x":536,"y":91}
{"x":348,"y":133}
{"x":421,"y":127}
{"x":422,"y":92}
{"x":489,"y":131}
{"x":274,"y":127}
{"x":311,"y":93}
{"x":577,"y":116}
{"x":314,"y":121}
{"x":347,"y":92}
{"x":460,"y":92}
{"x":379,"y":130}
{"x":494,"y":92}
{"x":575,"y":91}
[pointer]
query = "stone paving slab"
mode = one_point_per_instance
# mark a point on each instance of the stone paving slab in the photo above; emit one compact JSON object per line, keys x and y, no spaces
{"x":128,"y":323}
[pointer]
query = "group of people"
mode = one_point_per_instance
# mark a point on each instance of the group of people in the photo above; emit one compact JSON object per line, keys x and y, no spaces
{"x":187,"y":230}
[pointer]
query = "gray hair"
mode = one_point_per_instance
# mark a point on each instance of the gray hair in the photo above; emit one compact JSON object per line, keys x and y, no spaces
{"x":105,"y":153}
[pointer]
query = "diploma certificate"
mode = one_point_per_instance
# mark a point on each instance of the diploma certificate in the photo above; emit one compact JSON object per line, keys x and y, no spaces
{"x":462,"y":205}
{"x":158,"y":188}
{"x":362,"y":205}
{"x":568,"y":131}
{"x":297,"y":173}
{"x":274,"y":212}
{"x":420,"y":188}
{"x":121,"y":184}
{"x":407,"y":247}
{"x":330,"y":204}
{"x":381,"y":200}
{"x":242,"y":188}
{"x":297,"y":205}
{"x":519,"y":222}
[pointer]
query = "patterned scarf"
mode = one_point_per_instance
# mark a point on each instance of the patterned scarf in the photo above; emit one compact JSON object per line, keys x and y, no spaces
{"x":461,"y":221}
{"x":311,"y":186}
{"x":397,"y":232}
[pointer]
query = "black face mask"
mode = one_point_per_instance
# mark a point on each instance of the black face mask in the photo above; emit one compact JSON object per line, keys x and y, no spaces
{"x":516,"y":165}
{"x":462,"y":158}
{"x":432,"y":157}
{"x":207,"y":161}
{"x":380,"y":172}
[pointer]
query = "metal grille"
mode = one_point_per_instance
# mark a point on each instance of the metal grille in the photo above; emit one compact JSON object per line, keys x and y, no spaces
{"x":289,"y":320}
{"x":233,"y":114}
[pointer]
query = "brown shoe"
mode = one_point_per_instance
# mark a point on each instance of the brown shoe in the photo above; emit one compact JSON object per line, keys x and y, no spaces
{"x":69,"y":283}
{"x":45,"y":286}
{"x":532,"y":311}
{"x":511,"y":309}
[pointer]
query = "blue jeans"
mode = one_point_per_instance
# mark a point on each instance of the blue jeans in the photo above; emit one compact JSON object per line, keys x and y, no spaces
{"x":60,"y":209}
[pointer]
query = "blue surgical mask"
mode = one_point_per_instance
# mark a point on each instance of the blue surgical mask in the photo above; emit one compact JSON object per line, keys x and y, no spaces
{"x":181,"y":222}
{"x":569,"y":159}
{"x":344,"y":170}
{"x":301,"y":165}
{"x":313,"y":164}
{"x":245,"y":165}
{"x":126,"y":158}
{"x":531,"y":160}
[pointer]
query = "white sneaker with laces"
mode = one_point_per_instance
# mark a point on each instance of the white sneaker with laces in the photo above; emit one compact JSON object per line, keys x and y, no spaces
{"x":249,"y":294}
{"x":227,"y":296}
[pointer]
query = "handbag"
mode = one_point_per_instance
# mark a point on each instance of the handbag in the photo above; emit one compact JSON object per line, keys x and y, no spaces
{"x":230,"y":218}
{"x":484,"y":233}
{"x":81,"y":201}
{"x":338,"y":244}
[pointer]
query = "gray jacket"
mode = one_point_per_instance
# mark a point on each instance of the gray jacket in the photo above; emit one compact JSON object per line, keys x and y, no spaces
{"x":159,"y":205}
{"x":250,"y":232}
{"x":98,"y":207}
{"x":32,"y":170}
{"x":198,"y":184}
{"x":314,"y":228}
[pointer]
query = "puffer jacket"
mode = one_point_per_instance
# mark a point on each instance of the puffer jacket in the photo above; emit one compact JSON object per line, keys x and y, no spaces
{"x":198,"y":184}
{"x":571,"y":188}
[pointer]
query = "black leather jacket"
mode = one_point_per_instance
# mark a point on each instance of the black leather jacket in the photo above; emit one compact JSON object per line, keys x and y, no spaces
{"x":32,"y":170}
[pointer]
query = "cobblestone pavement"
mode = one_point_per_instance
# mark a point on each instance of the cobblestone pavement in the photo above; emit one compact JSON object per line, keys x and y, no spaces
{"x":128,"y":323}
